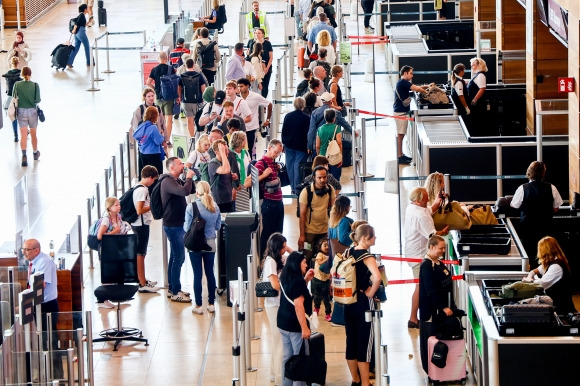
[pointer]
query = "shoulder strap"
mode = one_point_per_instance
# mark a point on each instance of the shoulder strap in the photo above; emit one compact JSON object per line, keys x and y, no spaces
{"x":142,"y":110}
{"x":169,"y":69}
{"x":362,"y":257}
{"x":286,"y":296}
{"x":310,"y":197}
{"x":196,"y":214}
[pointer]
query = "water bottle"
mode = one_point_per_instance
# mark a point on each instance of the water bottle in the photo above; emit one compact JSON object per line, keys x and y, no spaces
{"x":51,"y":247}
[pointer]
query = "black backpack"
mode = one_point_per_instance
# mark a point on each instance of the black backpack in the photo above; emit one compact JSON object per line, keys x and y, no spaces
{"x":128,"y":210}
{"x":156,"y":203}
{"x":196,"y":119}
{"x":191,"y":88}
{"x":206,"y":54}
{"x":310,"y":196}
{"x":194,"y":238}
{"x":221,"y":18}
{"x":71,"y":24}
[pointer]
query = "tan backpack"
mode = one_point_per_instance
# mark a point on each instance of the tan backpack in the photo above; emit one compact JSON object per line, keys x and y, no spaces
{"x":344,"y":277}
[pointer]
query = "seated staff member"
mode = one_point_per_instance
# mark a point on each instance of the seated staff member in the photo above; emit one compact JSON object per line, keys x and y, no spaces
{"x":537,"y":201}
{"x":555,"y":275}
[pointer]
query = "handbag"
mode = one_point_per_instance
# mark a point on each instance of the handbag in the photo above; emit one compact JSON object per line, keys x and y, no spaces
{"x":482,"y":215}
{"x":405,"y":102}
{"x":39,"y":111}
{"x":333,"y":151}
{"x":264,"y":289}
{"x":451,"y":214}
{"x":306,"y":368}
{"x":6,"y":103}
{"x":194,"y":239}
{"x":283,"y":174}
{"x":12,"y":108}
{"x":313,"y":318}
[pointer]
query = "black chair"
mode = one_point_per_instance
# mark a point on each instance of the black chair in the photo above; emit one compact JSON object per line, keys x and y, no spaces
{"x":118,"y":267}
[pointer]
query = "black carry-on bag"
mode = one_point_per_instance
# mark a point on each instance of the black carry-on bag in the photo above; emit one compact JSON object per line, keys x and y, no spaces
{"x":306,"y":368}
{"x":60,"y":55}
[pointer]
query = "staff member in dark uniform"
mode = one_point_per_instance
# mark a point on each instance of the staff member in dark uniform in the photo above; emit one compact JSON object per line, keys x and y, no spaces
{"x":459,"y":91}
{"x":555,"y":275}
{"x":435,"y":290}
{"x":475,"y":90}
{"x":537,"y":201}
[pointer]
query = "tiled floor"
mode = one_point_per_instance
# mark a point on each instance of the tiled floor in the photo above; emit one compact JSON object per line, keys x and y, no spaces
{"x":83,"y":130}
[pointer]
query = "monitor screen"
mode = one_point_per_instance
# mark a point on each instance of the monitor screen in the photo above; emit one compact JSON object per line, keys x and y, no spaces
{"x":119,"y":259}
{"x":543,"y":11}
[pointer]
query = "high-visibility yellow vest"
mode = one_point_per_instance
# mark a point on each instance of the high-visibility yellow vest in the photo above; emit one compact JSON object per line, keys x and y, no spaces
{"x":250,"y":23}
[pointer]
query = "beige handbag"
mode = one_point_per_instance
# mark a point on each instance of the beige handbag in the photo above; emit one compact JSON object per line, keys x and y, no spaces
{"x":451,"y":214}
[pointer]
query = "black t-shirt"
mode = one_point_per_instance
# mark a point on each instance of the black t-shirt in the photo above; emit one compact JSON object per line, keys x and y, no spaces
{"x":81,"y":21}
{"x":363,"y":275}
{"x":156,"y":73}
{"x":287,"y":319}
{"x":266,"y":49}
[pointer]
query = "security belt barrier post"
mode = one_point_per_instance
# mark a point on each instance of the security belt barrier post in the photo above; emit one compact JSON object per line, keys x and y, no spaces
{"x":248,"y":305}
{"x":239,"y":329}
{"x":374,"y":317}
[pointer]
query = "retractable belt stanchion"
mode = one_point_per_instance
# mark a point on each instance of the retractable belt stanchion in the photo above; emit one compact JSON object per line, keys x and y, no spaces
{"x":251,"y":298}
{"x":93,"y":88}
{"x":247,"y":333}
{"x":242,"y":319}
{"x":363,"y":140}
{"x":236,"y":343}
{"x":241,"y":24}
{"x":374,"y":317}
{"x":89,"y":343}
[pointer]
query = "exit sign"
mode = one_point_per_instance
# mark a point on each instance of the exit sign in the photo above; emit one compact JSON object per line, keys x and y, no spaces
{"x":565,"y":84}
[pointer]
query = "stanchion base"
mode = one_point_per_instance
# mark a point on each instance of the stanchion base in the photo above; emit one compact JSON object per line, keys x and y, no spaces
{"x":98,"y":79}
{"x":255,"y":337}
{"x":368,"y":175}
{"x":251,"y":369}
{"x":93,"y":89}
{"x":108,"y":72}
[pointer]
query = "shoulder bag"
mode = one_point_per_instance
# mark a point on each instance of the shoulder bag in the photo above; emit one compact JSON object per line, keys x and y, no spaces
{"x":264,"y":289}
{"x":333,"y":151}
{"x":306,"y":368}
{"x":451,"y":214}
{"x":283,"y":174}
{"x":482,"y":215}
{"x":13,"y":106}
{"x":405,"y":102}
{"x":313,"y":318}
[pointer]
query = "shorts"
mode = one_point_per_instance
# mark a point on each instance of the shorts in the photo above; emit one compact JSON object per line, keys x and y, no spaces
{"x":190,"y":109}
{"x":416,"y":270}
{"x":89,"y":2}
{"x":27,"y":117}
{"x":401,"y":123}
{"x":142,"y":233}
{"x":165,"y":106}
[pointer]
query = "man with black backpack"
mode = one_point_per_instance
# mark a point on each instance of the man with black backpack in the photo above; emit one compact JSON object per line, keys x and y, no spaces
{"x":207,"y":54}
{"x":191,"y":88}
{"x":141,"y":202}
{"x":315,"y":203}
{"x":166,"y":96}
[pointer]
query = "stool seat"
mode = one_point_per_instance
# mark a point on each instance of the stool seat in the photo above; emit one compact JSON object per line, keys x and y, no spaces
{"x":116,"y":292}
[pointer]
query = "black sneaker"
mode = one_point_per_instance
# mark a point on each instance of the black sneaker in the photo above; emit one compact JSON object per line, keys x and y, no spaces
{"x":406,"y":157}
{"x":404,"y":161}
{"x":24,"y":161}
{"x":36,"y":155}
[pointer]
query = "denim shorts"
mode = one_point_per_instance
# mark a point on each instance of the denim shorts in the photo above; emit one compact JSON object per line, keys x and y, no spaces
{"x":27,"y":117}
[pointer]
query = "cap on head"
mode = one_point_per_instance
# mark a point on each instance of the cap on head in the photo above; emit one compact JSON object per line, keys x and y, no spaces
{"x":327,"y":97}
{"x":219,"y":97}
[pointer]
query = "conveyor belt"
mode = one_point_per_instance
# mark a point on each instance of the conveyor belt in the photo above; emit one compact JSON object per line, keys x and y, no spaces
{"x":446,"y":132}
{"x":404,"y":33}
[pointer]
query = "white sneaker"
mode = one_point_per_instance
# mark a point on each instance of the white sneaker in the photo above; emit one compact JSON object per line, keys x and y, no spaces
{"x":181,"y":297}
{"x":148,"y":288}
{"x":210,"y":308}
{"x":197,"y":310}
{"x":152,"y":282}
{"x":106,"y":304}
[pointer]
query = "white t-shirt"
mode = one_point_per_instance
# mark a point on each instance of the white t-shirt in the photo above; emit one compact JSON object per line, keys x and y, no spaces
{"x":459,"y":87}
{"x":270,"y":269}
{"x":480,"y":80}
{"x":142,"y":194}
{"x":254,"y":101}
{"x":125,"y":227}
{"x":241,"y":108}
{"x":419,"y":226}
{"x":195,"y":158}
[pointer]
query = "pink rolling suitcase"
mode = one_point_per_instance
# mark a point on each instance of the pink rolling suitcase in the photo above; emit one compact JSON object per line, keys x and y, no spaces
{"x":455,"y":368}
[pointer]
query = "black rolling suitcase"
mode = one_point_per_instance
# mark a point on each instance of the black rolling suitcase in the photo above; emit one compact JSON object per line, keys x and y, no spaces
{"x":60,"y":55}
{"x":346,"y":149}
{"x":102,"y":17}
{"x":316,"y":345}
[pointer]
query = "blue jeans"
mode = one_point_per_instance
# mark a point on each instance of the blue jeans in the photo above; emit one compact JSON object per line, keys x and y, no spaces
{"x":335,"y":171}
{"x":81,"y":37}
{"x":293,"y":160}
{"x":176,"y":257}
{"x":272,"y":221}
{"x":291,"y":344}
{"x":208,"y":260}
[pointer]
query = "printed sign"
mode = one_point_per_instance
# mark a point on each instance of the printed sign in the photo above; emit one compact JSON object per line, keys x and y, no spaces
{"x":558,"y":19}
{"x":345,"y":52}
{"x":565,"y":84}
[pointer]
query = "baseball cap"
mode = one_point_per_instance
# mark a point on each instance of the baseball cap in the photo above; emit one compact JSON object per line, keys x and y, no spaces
{"x":219,"y":97}
{"x":180,"y":41}
{"x":327,"y":97}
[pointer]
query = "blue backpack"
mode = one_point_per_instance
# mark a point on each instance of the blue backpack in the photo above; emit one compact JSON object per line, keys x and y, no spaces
{"x":92,"y":240}
{"x":169,"y":84}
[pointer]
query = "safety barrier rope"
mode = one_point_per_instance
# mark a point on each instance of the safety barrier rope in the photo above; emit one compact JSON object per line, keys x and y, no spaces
{"x":416,"y":281}
{"x":401,"y":117}
{"x":418,"y":260}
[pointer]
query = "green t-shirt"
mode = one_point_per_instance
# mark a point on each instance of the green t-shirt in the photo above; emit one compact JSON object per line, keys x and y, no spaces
{"x":326,"y":133}
{"x":25,"y":90}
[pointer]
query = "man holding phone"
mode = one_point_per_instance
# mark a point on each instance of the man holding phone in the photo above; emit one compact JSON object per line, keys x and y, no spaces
{"x":212,"y":110}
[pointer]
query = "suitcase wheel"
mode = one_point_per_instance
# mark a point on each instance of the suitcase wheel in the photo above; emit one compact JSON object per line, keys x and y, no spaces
{"x":220,"y":291}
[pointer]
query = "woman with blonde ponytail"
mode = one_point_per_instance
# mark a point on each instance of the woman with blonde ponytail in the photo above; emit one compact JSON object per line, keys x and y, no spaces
{"x":210,"y":212}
